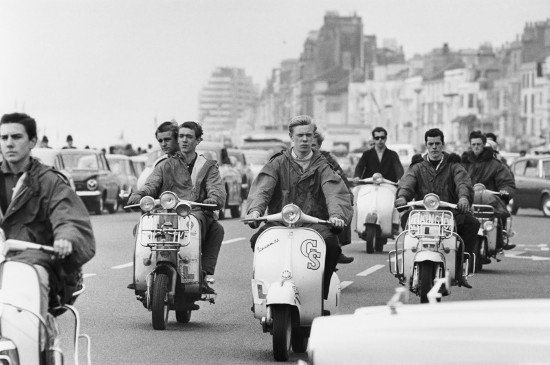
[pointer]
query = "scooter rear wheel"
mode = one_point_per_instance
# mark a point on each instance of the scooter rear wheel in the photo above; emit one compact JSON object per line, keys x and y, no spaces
{"x":159,"y":308}
{"x":299,"y":340}
{"x":426,"y":278}
{"x":282,"y":331}
{"x":183,"y":316}
{"x":370,"y":237}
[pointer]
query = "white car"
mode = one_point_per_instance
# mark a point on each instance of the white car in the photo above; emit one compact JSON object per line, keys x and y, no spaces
{"x":510,"y":331}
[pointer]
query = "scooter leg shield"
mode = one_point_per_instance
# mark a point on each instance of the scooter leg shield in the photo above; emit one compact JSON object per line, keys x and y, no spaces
{"x":282,"y":293}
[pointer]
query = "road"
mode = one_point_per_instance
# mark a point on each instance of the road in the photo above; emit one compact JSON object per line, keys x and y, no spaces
{"x":226,"y":332}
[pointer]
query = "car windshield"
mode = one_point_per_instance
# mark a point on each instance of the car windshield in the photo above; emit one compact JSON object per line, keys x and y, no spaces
{"x":80,"y":161}
{"x":121,"y":167}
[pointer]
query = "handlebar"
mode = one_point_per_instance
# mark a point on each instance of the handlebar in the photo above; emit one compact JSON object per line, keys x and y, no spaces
{"x":18,"y":245}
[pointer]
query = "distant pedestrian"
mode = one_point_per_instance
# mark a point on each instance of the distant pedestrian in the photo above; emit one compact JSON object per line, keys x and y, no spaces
{"x":522,"y":153}
{"x":69,"y":142}
{"x":44,"y":142}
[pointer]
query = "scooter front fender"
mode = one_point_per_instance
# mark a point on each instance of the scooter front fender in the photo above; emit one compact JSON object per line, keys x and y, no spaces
{"x":283,"y":292}
{"x":429,"y":256}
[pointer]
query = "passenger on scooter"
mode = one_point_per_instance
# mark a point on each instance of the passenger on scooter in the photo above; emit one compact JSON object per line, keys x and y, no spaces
{"x":302,"y":176}
{"x":345,"y":236}
{"x":483,"y":167}
{"x":167,"y":137}
{"x":38,"y":205}
{"x":441,"y":173}
{"x":192,"y":177}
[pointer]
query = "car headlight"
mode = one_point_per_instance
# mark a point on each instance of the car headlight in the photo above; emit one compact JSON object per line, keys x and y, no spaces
{"x":147,"y":203}
{"x":431,"y":202}
{"x":488,"y":226}
{"x":168,"y":200}
{"x":377,"y":178}
{"x":91,"y":184}
{"x":183,"y":209}
{"x":479,"y":188}
{"x":291,"y":213}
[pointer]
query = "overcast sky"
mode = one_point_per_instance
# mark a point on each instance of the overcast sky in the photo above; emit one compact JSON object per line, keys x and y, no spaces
{"x":95,"y":68}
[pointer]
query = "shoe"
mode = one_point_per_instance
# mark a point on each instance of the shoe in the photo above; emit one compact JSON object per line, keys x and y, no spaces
{"x":326,"y":312}
{"x":192,"y":307}
{"x":207,"y":289}
{"x":343,"y":259}
{"x":464,"y":282}
{"x":509,"y":247}
{"x":131,"y":286}
{"x":485,"y":260}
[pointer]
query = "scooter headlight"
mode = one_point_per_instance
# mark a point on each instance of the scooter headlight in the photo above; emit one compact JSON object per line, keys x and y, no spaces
{"x":168,"y":200}
{"x":479,"y":188}
{"x":147,"y":203}
{"x":431,"y":202}
{"x":377,"y":178}
{"x":291,"y":213}
{"x":183,"y":209}
{"x":488,"y":226}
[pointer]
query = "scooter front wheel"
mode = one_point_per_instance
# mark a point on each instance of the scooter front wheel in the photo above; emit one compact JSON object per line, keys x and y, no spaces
{"x":370,"y":237}
{"x":159,"y":308}
{"x":282,"y":331}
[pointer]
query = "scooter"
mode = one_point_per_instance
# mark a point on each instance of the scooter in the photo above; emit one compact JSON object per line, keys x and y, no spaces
{"x":427,"y":249}
{"x":486,"y":245}
{"x":167,"y":258}
{"x":26,"y":337}
{"x":374,"y":211}
{"x":287,"y":280}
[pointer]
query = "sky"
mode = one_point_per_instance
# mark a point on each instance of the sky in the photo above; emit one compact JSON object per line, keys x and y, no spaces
{"x":105,"y":69}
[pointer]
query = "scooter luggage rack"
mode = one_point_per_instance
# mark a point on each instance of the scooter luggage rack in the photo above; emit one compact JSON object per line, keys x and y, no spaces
{"x":483,"y":211}
{"x":428,"y":223}
{"x":179,"y":236}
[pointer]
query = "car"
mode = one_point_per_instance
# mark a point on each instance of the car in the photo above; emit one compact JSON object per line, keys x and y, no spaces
{"x":532,"y":176}
{"x":238,"y":160}
{"x":94,"y":181}
{"x":153,"y":158}
{"x":139,"y":162}
{"x":510,"y":331}
{"x":405,"y":153}
{"x":230,"y":175}
{"x":122,"y":167}
{"x":256,"y":160}
{"x":52,"y":157}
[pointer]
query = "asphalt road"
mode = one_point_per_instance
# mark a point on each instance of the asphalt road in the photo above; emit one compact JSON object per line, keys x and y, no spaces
{"x":226,"y":332}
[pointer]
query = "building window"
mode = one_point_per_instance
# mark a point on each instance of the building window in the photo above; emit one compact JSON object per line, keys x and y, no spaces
{"x":471,"y":101}
{"x":525,"y":104}
{"x":533,"y":103}
{"x":334,"y":107}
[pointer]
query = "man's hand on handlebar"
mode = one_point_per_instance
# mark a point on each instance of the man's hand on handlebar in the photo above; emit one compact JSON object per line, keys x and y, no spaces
{"x":62,"y":248}
{"x":253,"y":215}
{"x":337,"y":222}
{"x":133,"y":199}
{"x":463,"y":205}
{"x":399,"y":202}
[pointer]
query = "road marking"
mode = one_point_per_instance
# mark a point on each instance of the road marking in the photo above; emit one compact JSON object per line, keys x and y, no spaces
{"x":345,"y":284}
{"x":515,"y":255}
{"x":123,"y":265}
{"x":370,"y":270}
{"x":88,"y":275}
{"x":233,"y":240}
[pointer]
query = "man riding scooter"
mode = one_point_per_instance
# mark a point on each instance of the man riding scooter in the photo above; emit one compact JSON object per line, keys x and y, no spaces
{"x":192,"y":177}
{"x":485,"y":168}
{"x":303,"y":177}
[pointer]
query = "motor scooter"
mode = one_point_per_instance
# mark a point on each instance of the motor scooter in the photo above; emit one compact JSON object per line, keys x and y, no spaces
{"x":483,"y":209}
{"x":427,"y":249}
{"x":287,"y":280}
{"x":374,"y":211}
{"x":167,"y":258}
{"x":26,"y":337}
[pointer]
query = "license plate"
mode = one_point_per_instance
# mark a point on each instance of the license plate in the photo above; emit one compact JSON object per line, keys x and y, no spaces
{"x":430,"y":223}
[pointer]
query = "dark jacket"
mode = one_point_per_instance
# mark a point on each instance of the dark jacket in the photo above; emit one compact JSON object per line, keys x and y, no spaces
{"x":489,"y":171}
{"x":44,"y":208}
{"x":318,"y":191}
{"x":450,"y":181}
{"x":390,"y":167}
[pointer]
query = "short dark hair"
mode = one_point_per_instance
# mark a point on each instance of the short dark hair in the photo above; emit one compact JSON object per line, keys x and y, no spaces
{"x":478,"y":134}
{"x":434,"y":132}
{"x":21,"y":118}
{"x":319,"y":137}
{"x":491,"y":135}
{"x":378,"y":130}
{"x":169,"y":126}
{"x":194,"y":126}
{"x":300,"y":120}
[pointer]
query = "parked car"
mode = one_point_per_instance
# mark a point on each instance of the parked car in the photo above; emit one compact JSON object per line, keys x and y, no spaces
{"x":139,"y":162}
{"x":238,"y":160}
{"x":155,"y":156}
{"x":532,"y":176}
{"x":52,"y":157}
{"x":122,"y":167}
{"x":256,"y":160}
{"x":94,"y":181}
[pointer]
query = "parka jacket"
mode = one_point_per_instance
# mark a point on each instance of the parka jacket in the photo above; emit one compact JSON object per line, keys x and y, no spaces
{"x":44,"y":208}
{"x":172,"y":174}
{"x":449,"y":181}
{"x":489,"y":171}
{"x":318,"y":191}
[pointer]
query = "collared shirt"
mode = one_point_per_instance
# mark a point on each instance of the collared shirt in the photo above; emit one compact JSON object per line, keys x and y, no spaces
{"x":9,"y":180}
{"x":303,"y":162}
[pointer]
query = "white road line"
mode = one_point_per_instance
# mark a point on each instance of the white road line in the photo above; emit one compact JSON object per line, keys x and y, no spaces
{"x":345,"y":284}
{"x":128,"y":264}
{"x":370,"y":270}
{"x":233,"y":240}
{"x":88,"y":275}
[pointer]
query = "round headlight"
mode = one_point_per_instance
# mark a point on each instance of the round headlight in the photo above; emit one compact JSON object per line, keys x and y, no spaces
{"x":479,"y":187}
{"x":91,"y":184}
{"x":183,"y":209}
{"x":377,"y":178}
{"x":147,"y":203}
{"x":168,"y":200}
{"x":431,"y":202}
{"x":291,"y":213}
{"x":488,"y":226}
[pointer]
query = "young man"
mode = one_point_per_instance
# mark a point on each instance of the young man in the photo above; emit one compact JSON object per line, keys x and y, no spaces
{"x":167,"y":137}
{"x":379,"y":159}
{"x":442,"y":174}
{"x":191,"y":177}
{"x":38,"y":205}
{"x":302,"y":176}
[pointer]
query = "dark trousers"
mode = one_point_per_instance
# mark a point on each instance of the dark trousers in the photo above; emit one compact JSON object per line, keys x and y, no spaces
{"x":332,"y":244}
{"x":212,"y":236}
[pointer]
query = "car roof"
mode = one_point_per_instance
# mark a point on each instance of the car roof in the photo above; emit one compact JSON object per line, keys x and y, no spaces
{"x":532,"y":157}
{"x":117,"y":156}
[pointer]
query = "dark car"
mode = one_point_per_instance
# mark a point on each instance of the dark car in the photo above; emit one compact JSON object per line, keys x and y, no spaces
{"x":122,"y":167}
{"x":238,"y":160}
{"x":532,"y":175}
{"x":95,"y":183}
{"x":52,"y":157}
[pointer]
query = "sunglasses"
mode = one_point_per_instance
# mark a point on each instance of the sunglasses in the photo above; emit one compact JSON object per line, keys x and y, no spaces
{"x":380,"y":137}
